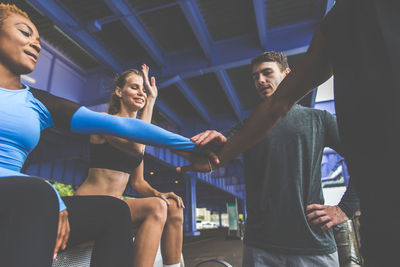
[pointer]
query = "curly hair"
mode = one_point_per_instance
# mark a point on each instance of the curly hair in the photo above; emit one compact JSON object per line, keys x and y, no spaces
{"x":114,"y":105}
{"x":7,"y":9}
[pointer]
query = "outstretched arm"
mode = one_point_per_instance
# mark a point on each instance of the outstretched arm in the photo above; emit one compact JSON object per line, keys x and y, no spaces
{"x":86,"y":121}
{"x":71,"y":116}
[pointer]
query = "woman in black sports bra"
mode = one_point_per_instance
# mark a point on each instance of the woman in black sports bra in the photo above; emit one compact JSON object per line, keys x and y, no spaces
{"x":115,"y":161}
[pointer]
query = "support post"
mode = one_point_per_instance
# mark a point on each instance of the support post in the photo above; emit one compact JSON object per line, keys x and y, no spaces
{"x":191,"y":204}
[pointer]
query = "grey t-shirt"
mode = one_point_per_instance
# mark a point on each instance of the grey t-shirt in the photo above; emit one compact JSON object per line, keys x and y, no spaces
{"x":283,"y":176}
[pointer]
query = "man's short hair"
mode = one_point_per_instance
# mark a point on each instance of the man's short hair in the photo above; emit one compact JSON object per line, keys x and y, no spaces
{"x":272,"y":56}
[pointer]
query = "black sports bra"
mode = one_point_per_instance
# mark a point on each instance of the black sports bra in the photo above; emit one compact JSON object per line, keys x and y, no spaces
{"x":105,"y":156}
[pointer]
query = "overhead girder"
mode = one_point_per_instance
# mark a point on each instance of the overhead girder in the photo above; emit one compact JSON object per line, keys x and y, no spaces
{"x":76,"y":31}
{"x":191,"y":97}
{"x":130,"y":20}
{"x":84,"y":38}
{"x":191,"y":11}
{"x":230,"y":93}
{"x":261,"y":19}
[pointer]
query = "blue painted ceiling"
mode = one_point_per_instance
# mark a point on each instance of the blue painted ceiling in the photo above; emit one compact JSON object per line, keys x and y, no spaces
{"x":205,"y":45}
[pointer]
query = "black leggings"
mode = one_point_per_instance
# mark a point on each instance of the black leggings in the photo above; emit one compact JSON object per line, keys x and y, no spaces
{"x":106,"y":221}
{"x":29,"y":220}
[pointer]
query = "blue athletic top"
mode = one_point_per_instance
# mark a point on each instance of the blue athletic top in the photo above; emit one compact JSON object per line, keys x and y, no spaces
{"x":24,"y":113}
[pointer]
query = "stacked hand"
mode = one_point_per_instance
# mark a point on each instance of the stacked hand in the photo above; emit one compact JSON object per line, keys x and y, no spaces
{"x":206,"y":160}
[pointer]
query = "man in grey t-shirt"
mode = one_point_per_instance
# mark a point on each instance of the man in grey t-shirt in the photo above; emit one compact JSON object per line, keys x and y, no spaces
{"x":288,"y":223}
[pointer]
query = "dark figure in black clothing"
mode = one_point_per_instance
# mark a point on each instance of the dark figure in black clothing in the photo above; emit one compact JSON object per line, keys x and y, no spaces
{"x":358,"y":42}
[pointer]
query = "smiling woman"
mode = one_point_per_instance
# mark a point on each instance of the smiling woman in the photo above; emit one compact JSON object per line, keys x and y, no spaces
{"x":20,"y":39}
{"x":114,"y":162}
{"x":32,"y":221}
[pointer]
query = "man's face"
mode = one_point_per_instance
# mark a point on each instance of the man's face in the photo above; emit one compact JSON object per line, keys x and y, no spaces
{"x":267,"y":76}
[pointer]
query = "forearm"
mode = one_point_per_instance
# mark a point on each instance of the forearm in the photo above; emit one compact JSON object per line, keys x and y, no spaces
{"x":147,"y":112}
{"x":85,"y":121}
{"x":146,"y":115}
{"x":144,"y":188}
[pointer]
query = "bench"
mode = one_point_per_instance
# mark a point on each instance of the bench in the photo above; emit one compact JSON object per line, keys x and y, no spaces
{"x":79,"y":256}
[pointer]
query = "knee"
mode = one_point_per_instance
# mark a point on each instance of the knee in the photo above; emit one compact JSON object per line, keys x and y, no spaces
{"x":159,"y":210}
{"x":175,"y":214}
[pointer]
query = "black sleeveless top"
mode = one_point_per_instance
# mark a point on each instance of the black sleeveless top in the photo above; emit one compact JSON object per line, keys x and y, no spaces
{"x":105,"y":156}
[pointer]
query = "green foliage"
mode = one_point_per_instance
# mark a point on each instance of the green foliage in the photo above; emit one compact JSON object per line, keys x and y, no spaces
{"x":200,"y":217}
{"x":65,"y":190}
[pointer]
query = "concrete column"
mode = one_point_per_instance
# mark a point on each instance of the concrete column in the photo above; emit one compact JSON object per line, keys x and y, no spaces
{"x":191,"y":204}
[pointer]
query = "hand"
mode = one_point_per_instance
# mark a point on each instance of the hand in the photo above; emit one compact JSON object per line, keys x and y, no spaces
{"x":150,"y":86}
{"x":166,"y":196}
{"x":62,"y":233}
{"x":198,"y":162}
{"x":209,"y":136}
{"x":326,"y":215}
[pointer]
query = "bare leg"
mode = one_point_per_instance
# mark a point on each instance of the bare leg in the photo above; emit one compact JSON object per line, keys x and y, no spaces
{"x":171,"y":241}
{"x":148,"y":216}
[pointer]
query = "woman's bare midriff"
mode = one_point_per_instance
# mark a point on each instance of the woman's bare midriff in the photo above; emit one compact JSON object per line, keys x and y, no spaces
{"x":104,"y":182}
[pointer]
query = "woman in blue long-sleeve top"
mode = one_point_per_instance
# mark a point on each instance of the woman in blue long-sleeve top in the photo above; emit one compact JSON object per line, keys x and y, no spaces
{"x":33,"y":225}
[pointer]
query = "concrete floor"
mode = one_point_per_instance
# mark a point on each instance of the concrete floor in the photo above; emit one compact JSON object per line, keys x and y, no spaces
{"x":212,"y":244}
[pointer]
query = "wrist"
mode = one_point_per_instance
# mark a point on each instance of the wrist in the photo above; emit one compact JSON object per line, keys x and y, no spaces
{"x":150,"y":102}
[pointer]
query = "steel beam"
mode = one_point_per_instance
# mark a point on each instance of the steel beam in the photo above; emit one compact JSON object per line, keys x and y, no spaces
{"x":75,"y":32}
{"x":192,"y":98}
{"x":261,"y":19}
{"x":192,"y":13}
{"x":130,"y":19}
{"x":230,"y":93}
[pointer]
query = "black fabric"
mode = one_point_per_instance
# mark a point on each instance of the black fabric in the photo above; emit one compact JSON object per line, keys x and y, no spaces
{"x":61,"y":109}
{"x":106,"y":221}
{"x":350,"y":201}
{"x":363,"y":39}
{"x":28,"y":222}
{"x":106,"y":156}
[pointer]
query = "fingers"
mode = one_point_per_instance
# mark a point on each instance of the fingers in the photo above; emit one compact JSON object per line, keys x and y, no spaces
{"x":178,"y":199}
{"x":164,"y":198}
{"x":68,"y":231}
{"x":153,"y":81}
{"x":314,"y":207}
{"x":320,"y":220}
{"x":328,"y":225}
{"x":211,"y":156}
{"x":312,"y":215}
{"x":145,"y":70}
{"x":183,"y":169}
{"x":62,"y":233}
{"x":207,"y":137}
